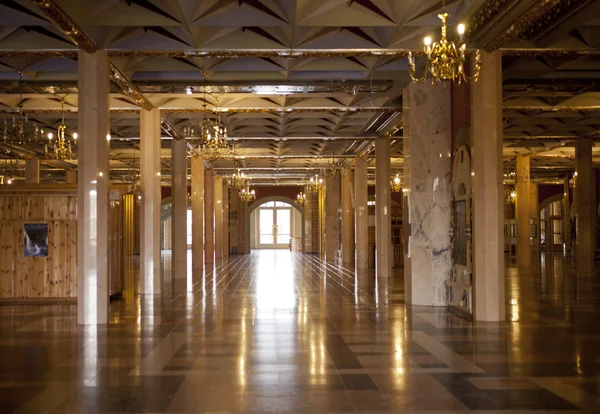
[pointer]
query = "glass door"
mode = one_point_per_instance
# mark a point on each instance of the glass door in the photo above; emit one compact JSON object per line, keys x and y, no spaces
{"x":282,"y":227}
{"x":266,"y":228}
{"x":274,"y":225}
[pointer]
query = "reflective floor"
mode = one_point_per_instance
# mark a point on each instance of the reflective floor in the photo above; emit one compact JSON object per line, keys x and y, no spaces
{"x":282,"y":332}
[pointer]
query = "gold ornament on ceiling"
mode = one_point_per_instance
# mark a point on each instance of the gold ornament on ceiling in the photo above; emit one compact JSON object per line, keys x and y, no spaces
{"x":445,"y":60}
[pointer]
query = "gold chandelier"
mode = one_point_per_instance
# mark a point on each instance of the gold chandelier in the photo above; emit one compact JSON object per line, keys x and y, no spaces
{"x":396,"y":184}
{"x":573,"y":180}
{"x":315,"y":185}
{"x":247,"y":195}
{"x":238,"y":180}
{"x":9,"y":170}
{"x":61,"y":147}
{"x":300,"y":199}
{"x":445,"y":60}
{"x":510,"y":195}
{"x":209,"y":137}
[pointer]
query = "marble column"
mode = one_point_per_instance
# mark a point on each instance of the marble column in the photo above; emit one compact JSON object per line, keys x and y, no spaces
{"x":585,"y":202}
{"x":383,"y":209}
{"x":218,"y":218}
{"x":179,"y":209}
{"x":523,"y":190}
{"x":197,"y":213}
{"x":209,"y":215}
{"x":347,"y":218}
{"x":430,"y":197}
{"x":225,"y":219}
{"x":361,"y":213}
{"x":308,"y":222}
{"x":406,"y":177}
{"x":32,"y":170}
{"x":92,"y":193}
{"x":332,"y":218}
{"x":488,"y":192}
{"x":150,"y":166}
{"x":566,"y":216}
{"x":70,"y":177}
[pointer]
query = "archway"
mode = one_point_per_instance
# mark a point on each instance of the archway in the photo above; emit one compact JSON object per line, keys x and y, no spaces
{"x":273,"y":199}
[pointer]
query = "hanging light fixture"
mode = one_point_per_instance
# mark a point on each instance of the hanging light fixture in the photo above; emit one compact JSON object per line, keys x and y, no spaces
{"x":300,"y":199}
{"x":315,"y":185}
{"x":445,"y":60}
{"x":396,"y":184}
{"x":510,"y":195}
{"x":331,"y":169}
{"x":10,"y":169}
{"x":15,"y":132}
{"x":246,"y":194}
{"x":573,"y":180}
{"x":209,"y":137}
{"x":61,"y":147}
{"x":237,"y":180}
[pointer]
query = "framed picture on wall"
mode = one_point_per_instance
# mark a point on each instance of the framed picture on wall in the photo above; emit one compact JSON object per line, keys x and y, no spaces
{"x":35,"y":240}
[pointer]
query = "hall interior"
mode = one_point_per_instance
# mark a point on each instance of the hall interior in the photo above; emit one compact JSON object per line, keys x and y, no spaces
{"x":299,"y":205}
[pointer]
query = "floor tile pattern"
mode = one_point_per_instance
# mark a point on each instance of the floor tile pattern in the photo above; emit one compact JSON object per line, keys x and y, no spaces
{"x":276,"y":331}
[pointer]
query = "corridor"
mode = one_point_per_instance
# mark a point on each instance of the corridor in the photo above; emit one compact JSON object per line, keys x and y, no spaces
{"x":276,"y":331}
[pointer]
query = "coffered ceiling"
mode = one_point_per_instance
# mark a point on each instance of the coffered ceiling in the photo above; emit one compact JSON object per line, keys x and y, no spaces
{"x":298,"y":83}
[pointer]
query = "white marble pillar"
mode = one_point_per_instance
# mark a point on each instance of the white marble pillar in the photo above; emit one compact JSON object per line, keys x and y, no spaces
{"x":522,"y":204}
{"x":361,"y":213}
{"x":32,"y":170}
{"x":209,"y":215}
{"x":225,"y":219}
{"x":332,"y":218}
{"x":383,"y":209}
{"x":347,"y":218}
{"x":218,"y":218}
{"x":488,"y":191}
{"x":585,"y":202}
{"x":197,"y":213}
{"x":179,"y":210}
{"x":430,"y":191}
{"x":92,"y":195}
{"x":70,"y":177}
{"x":150,"y":136}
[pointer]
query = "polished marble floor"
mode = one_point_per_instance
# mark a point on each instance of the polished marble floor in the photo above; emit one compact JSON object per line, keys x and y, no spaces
{"x":283,"y":332}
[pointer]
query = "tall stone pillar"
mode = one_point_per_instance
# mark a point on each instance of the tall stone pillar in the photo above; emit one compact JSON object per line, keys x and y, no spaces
{"x":32,"y":170}
{"x":225,"y":219}
{"x":488,"y":191}
{"x":179,"y":210}
{"x":151,"y":199}
{"x":383,"y":209}
{"x":566,"y":216}
{"x":307,"y":222}
{"x":585,"y":202}
{"x":523,"y":211}
{"x":209,"y":215}
{"x":92,"y":193}
{"x":429,"y":202}
{"x":70,"y":177}
{"x":332,"y":218}
{"x":218,"y":218}
{"x":361,"y":213}
{"x":197,"y":213}
{"x":347,"y":218}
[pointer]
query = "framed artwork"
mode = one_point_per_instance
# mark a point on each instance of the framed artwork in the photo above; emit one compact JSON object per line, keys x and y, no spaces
{"x":35,"y":240}
{"x":460,"y":219}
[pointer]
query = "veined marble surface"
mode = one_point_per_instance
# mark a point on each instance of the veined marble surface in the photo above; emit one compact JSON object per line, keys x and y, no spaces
{"x":430,"y":192}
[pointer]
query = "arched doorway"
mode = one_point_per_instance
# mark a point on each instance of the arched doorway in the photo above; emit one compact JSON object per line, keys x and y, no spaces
{"x":274,"y":222}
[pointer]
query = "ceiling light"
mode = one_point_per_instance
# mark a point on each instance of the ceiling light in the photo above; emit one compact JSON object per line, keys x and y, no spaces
{"x":188,"y":90}
{"x":445,"y":60}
